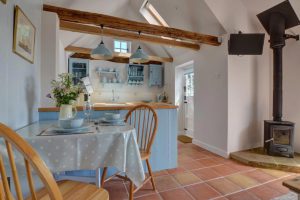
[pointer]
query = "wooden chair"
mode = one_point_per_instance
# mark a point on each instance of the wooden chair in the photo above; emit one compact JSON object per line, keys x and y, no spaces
{"x":144,"y":119}
{"x":32,"y":161}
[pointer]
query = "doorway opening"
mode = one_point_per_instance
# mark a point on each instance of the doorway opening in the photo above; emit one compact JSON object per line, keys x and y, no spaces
{"x":184,"y":98}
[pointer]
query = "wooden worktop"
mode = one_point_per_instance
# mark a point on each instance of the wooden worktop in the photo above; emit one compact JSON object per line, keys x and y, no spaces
{"x":116,"y":106}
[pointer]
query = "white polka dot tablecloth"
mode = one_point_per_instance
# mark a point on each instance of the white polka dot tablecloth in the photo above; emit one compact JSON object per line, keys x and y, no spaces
{"x":107,"y":146}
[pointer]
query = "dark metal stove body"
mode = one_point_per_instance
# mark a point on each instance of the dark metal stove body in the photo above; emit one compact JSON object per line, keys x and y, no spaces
{"x":279,"y":138}
{"x":278,"y":134}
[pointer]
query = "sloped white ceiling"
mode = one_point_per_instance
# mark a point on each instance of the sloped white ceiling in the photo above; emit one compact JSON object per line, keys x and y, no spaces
{"x":192,"y":15}
{"x":257,"y":6}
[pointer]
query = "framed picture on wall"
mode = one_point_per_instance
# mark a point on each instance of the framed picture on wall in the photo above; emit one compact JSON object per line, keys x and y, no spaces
{"x":3,"y":1}
{"x":24,"y":35}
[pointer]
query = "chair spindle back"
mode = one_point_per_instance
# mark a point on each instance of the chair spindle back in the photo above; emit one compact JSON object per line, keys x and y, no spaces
{"x":32,"y":161}
{"x":145,"y":121}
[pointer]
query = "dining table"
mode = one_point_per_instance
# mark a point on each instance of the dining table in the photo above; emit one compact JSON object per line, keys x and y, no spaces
{"x":97,"y":147}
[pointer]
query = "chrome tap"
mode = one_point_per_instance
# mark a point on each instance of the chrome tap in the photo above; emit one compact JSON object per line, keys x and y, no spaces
{"x":114,"y":97}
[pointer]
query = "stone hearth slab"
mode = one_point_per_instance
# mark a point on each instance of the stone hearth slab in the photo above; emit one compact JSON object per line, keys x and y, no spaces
{"x":257,"y":157}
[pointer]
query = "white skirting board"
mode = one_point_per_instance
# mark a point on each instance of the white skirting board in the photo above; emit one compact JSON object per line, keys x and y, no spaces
{"x":211,"y":148}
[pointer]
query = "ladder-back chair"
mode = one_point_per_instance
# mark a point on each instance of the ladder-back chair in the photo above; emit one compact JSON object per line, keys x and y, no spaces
{"x":144,"y":119}
{"x":32,"y":161}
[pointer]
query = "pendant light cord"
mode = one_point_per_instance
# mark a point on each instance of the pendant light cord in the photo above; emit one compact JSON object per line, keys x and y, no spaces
{"x":102,"y":32}
{"x":140,"y":39}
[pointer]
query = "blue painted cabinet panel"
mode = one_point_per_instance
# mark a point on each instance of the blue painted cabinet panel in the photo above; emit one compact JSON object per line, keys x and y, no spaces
{"x":156,"y":73}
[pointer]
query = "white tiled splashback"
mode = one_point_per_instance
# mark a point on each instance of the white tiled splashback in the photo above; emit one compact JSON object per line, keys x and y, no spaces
{"x":126,"y":93}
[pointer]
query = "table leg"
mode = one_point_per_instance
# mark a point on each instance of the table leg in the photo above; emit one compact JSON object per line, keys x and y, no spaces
{"x":98,"y":178}
{"x":131,"y":188}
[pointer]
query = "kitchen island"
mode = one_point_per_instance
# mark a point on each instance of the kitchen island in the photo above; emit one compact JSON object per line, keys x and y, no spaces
{"x":164,"y":149}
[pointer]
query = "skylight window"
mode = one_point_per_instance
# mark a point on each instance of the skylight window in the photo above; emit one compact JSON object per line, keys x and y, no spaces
{"x":121,"y":46}
{"x":151,"y":14}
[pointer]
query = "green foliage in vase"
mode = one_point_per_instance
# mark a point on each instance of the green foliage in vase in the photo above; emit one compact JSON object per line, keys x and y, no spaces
{"x":63,"y":89}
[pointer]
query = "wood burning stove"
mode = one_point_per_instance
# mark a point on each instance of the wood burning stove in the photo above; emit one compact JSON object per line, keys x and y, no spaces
{"x":278,"y":134}
{"x":279,"y":138}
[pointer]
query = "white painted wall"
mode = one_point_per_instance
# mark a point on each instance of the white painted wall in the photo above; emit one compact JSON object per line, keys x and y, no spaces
{"x":291,"y":82}
{"x":248,"y":80}
{"x":126,"y":93}
{"x":210,"y":98}
{"x":50,"y":54}
{"x":19,"y":79}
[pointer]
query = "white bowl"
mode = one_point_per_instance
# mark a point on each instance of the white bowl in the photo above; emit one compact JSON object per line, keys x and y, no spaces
{"x":70,"y":123}
{"x":112,"y":116}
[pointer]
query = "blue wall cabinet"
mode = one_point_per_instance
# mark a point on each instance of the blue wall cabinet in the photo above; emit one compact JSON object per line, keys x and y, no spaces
{"x":79,"y":68}
{"x":156,"y":74}
{"x":135,"y":74}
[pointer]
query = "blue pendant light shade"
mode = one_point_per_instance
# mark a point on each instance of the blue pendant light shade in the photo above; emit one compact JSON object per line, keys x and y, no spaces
{"x":101,"y":52}
{"x":139,"y":56}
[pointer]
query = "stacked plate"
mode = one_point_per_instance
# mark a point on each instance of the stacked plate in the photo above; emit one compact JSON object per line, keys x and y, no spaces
{"x":78,"y":130}
{"x":112,"y":119}
{"x":66,"y":127}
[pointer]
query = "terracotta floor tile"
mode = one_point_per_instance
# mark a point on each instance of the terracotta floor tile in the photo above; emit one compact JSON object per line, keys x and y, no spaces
{"x":117,"y":191}
{"x":176,"y":170}
{"x":277,"y":185}
{"x":259,"y":175}
{"x":224,"y":186}
{"x":242,"y":180}
{"x":197,"y":155}
{"x":264,"y":192}
{"x":208,"y":153}
{"x":184,"y":158}
{"x":186,"y":178}
{"x":275,"y":173}
{"x":149,"y":197}
{"x":177,"y":194}
{"x":244,"y":195}
{"x":224,"y":170}
{"x":206,"y":174}
{"x":165,"y":183}
{"x":208,"y":162}
{"x":202,"y":191}
{"x":160,"y":173}
{"x":145,"y":190}
{"x":218,"y":158}
{"x":195,"y":147}
{"x":191,"y":165}
{"x":221,"y":198}
{"x":228,"y":178}
{"x":239,"y":166}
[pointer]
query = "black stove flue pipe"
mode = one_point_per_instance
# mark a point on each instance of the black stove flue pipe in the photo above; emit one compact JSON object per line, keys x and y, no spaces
{"x":277,"y":42}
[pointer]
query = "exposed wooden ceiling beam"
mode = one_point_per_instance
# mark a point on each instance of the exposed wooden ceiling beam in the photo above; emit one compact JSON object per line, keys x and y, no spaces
{"x":115,"y":59}
{"x":82,"y":50}
{"x":94,"y":30}
{"x":129,"y":25}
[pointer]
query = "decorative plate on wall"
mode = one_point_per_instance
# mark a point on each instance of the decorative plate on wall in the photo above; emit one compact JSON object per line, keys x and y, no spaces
{"x":24,"y":35}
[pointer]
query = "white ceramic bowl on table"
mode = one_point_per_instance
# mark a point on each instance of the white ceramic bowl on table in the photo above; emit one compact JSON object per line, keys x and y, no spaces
{"x":70,"y":123}
{"x":112,"y":116}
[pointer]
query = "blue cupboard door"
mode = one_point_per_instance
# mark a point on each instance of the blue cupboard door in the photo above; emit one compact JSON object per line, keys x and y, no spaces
{"x":156,"y":75}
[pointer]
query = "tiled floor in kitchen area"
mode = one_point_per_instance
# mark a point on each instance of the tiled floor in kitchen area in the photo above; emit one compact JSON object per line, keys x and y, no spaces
{"x":203,"y":175}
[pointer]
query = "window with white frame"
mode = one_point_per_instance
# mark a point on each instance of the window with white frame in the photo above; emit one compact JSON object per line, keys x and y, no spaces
{"x":189,"y":83}
{"x":121,"y":46}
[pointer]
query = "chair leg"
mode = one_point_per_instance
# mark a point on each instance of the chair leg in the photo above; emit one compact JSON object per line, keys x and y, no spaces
{"x":131,"y":189}
{"x":150,"y":173}
{"x":103,"y":176}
